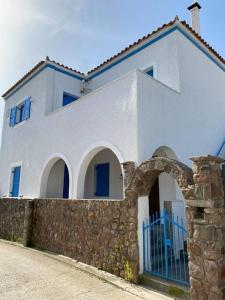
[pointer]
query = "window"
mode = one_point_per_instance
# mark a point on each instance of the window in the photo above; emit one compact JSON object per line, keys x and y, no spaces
{"x":102,"y":180}
{"x":15,"y":179}
{"x":68,"y":98}
{"x":150,"y":72}
{"x":20,"y":112}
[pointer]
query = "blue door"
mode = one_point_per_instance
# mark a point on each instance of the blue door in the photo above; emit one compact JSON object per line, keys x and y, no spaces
{"x":102,"y":180}
{"x":66,"y":183}
{"x":16,"y":181}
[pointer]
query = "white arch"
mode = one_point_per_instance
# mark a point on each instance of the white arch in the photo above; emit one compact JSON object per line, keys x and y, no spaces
{"x":85,"y":161}
{"x":46,"y":170}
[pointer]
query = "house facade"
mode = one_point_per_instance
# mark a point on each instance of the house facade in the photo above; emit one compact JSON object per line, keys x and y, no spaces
{"x":66,"y":134}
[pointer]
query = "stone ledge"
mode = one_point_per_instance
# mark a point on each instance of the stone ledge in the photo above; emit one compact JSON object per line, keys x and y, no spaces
{"x":204,"y":203}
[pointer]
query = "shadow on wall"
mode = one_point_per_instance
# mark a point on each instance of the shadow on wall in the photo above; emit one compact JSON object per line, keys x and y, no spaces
{"x":55,"y":182}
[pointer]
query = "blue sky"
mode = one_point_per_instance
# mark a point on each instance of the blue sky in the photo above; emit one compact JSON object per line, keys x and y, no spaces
{"x":83,"y":33}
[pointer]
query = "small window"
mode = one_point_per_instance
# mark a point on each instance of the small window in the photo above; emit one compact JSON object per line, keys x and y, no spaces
{"x":102,"y":180}
{"x":150,"y":72}
{"x":20,"y":112}
{"x":15,"y":179}
{"x":68,"y":98}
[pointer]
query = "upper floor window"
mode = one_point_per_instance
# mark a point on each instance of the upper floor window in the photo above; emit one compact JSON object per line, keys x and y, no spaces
{"x":68,"y":98}
{"x":20,"y":112}
{"x":150,"y":72}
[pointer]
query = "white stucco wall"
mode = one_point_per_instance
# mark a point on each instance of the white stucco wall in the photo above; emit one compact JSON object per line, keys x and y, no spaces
{"x":167,"y":191}
{"x":162,"y":55}
{"x":191,"y":121}
{"x":115,"y":175}
{"x":57,"y":83}
{"x":143,"y":216}
{"x":106,"y":116}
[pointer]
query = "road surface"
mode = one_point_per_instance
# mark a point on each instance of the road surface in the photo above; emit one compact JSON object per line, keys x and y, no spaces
{"x":28,"y":274}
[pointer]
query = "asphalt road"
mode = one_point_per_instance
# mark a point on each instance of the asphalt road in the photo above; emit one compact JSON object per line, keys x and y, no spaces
{"x":27,"y":274}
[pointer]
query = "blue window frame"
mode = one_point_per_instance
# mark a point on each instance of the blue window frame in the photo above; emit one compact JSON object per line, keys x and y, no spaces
{"x":20,"y":112}
{"x":15,"y":181}
{"x":102,"y":180}
{"x":68,"y":98}
{"x":150,"y":72}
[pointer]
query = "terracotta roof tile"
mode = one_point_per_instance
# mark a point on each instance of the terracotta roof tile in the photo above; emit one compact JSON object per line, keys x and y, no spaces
{"x":24,"y":77}
{"x":65,"y":67}
{"x":42,"y":62}
{"x":156,"y":32}
{"x":143,"y":39}
{"x":211,"y":49}
{"x":135,"y":44}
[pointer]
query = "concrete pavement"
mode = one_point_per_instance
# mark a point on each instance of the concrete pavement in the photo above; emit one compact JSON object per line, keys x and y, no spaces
{"x":30,"y":274}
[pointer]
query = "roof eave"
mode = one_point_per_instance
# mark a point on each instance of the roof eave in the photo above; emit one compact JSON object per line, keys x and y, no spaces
{"x":133,"y":47}
{"x":36,"y":69}
{"x":202,"y":43}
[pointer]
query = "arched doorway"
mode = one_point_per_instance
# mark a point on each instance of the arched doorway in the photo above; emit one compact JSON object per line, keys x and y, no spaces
{"x":165,"y":193}
{"x":55,"y":182}
{"x":104,"y":177}
{"x":162,"y":238}
{"x":100,"y":175}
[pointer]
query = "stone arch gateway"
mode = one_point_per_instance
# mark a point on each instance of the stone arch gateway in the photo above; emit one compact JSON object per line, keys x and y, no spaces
{"x":140,"y":180}
{"x":203,"y":193}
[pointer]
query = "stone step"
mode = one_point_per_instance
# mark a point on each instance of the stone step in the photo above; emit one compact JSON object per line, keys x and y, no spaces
{"x":167,"y":287}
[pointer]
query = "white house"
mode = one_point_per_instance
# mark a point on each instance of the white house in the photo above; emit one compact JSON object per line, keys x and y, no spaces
{"x":65,"y":133}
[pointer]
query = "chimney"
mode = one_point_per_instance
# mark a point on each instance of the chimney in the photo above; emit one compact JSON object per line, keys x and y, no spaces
{"x":195,"y":11}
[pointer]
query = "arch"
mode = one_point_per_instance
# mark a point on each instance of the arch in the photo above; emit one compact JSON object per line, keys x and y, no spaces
{"x":50,"y":162}
{"x":164,"y":191}
{"x":85,"y":161}
{"x":144,"y":175}
{"x":165,"y":151}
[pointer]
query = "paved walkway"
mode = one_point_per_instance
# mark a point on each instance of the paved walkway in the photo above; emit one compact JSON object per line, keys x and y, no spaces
{"x":28,"y":274}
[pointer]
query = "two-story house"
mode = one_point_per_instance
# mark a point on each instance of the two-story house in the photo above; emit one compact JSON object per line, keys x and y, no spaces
{"x":65,"y":133}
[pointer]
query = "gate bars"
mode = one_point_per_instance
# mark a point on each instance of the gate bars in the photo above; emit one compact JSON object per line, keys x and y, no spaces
{"x":165,"y":247}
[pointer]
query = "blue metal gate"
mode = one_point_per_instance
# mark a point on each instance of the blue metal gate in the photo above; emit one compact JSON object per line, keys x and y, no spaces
{"x":165,"y":247}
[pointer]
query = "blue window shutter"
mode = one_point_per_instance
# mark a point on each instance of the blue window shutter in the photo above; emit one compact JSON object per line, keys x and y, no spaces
{"x":12,"y":118}
{"x":102,"y":180}
{"x":26,"y":109}
{"x":16,"y":182}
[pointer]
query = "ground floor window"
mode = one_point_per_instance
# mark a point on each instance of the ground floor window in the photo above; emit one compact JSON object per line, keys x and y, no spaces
{"x":15,"y":181}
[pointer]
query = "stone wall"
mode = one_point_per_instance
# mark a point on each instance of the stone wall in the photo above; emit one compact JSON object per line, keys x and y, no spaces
{"x":96,"y":232}
{"x":206,"y":225}
{"x":12,"y":214}
{"x":104,"y":233}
